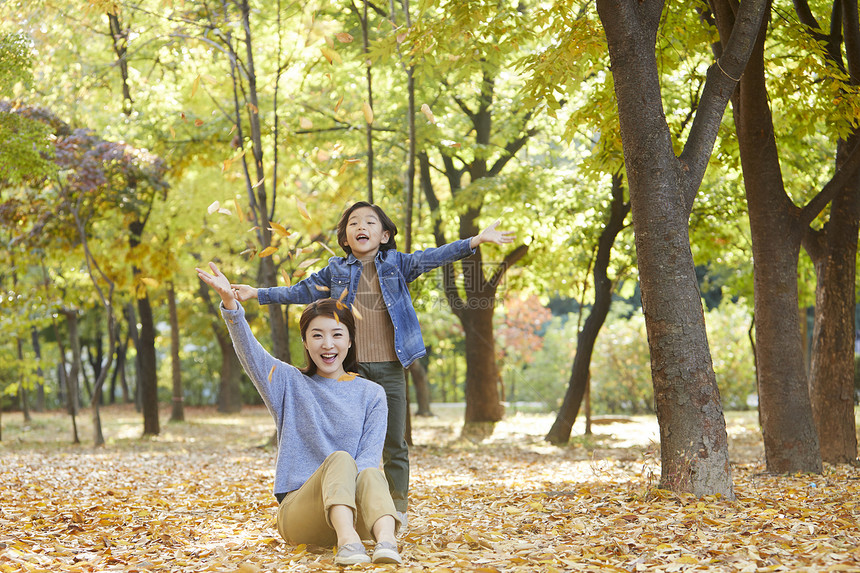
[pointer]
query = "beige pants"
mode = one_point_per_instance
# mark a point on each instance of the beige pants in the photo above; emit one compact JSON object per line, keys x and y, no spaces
{"x":303,"y":515}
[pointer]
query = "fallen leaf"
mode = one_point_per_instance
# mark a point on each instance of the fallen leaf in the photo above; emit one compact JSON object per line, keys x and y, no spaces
{"x":303,"y":209}
{"x":268,"y":251}
{"x":214,"y":207}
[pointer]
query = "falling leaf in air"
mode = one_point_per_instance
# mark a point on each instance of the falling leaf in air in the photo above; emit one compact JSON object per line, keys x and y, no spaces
{"x":337,"y":105}
{"x":286,"y":277}
{"x":368,"y":112}
{"x":150,"y":282}
{"x":326,"y":248}
{"x":268,"y":251}
{"x":344,"y":37}
{"x":306,"y":263}
{"x":305,"y":123}
{"x":272,"y":371}
{"x":198,"y":122}
{"x":258,"y":183}
{"x":449,"y":143}
{"x":225,"y":211}
{"x":279,"y":229}
{"x":356,"y":313}
{"x":239,"y":211}
{"x":401,"y":37}
{"x":323,"y":288}
{"x":323,"y":156}
{"x":299,"y":274}
{"x":425,"y":109}
{"x":195,"y":85}
{"x":214,"y":207}
{"x":331,"y":55}
{"x":347,"y":377}
{"x":343,"y":295}
{"x":303,"y":209}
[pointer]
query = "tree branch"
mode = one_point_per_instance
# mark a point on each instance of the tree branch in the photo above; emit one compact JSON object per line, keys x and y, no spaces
{"x":845,"y":174}
{"x":722,"y":78}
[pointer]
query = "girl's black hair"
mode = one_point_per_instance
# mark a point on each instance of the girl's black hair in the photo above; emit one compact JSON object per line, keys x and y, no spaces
{"x":333,"y":309}
{"x":385,"y":220}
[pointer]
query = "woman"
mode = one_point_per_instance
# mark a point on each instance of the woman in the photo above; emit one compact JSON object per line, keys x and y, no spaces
{"x":331,"y":429}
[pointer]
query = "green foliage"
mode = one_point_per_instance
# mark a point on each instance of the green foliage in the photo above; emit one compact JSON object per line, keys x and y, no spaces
{"x":15,"y":63}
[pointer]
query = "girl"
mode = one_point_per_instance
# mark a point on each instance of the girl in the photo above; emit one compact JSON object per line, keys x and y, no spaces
{"x":330,"y":429}
{"x":374,"y":277}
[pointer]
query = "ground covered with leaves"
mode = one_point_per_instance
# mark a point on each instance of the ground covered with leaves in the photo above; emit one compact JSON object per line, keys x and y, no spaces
{"x":198,"y":498}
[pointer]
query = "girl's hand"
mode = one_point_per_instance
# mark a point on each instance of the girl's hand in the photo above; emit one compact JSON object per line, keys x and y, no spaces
{"x":493,"y":235}
{"x":244,"y":292}
{"x":220,"y":284}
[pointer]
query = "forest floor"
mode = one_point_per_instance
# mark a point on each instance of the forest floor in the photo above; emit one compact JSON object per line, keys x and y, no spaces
{"x":198,"y":498}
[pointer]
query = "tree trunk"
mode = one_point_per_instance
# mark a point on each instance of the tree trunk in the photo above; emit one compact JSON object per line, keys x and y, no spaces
{"x":40,"y":389}
{"x":831,"y":378}
{"x":178,"y":411}
{"x":149,"y":374}
{"x":422,"y":388}
{"x":694,"y":444}
{"x":790,"y":438}
{"x":229,"y":389}
{"x":560,"y":431}
{"x":22,"y":390}
{"x":834,"y":250}
{"x":145,"y":344}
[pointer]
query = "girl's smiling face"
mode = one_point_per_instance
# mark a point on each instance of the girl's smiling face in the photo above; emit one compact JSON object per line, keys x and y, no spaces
{"x":327,"y":342}
{"x":365,"y":232}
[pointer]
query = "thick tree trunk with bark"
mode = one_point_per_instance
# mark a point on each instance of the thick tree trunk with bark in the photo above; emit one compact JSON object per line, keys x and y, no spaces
{"x":790,"y":437}
{"x":831,"y":376}
{"x":833,"y":249}
{"x":831,"y":381}
{"x":559,"y":433}
{"x":694,"y":444}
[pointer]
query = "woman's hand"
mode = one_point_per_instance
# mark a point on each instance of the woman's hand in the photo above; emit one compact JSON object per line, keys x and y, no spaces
{"x":220,"y":284}
{"x":492,"y":235}
{"x":244,"y":292}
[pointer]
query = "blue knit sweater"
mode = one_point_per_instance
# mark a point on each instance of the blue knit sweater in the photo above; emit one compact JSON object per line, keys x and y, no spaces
{"x":314,"y":416}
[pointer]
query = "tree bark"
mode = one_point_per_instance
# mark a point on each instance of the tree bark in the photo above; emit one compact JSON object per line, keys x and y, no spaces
{"x":694,"y":444}
{"x":148,"y":374}
{"x":178,"y":410}
{"x":833,"y":250}
{"x":790,"y":437}
{"x":422,"y":389}
{"x":560,"y":431}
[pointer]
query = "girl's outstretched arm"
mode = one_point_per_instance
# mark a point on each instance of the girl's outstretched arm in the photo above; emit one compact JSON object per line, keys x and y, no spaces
{"x":220,"y":284}
{"x":492,"y":235}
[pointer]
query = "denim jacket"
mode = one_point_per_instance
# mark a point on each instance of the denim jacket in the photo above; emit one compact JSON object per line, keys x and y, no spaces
{"x":395,"y":269}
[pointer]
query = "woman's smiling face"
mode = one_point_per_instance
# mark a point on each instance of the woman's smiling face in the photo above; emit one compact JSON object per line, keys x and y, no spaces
{"x":327,"y":342}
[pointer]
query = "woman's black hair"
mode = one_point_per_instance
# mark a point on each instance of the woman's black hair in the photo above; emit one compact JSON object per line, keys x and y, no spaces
{"x":385,"y":220}
{"x":333,"y":309}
